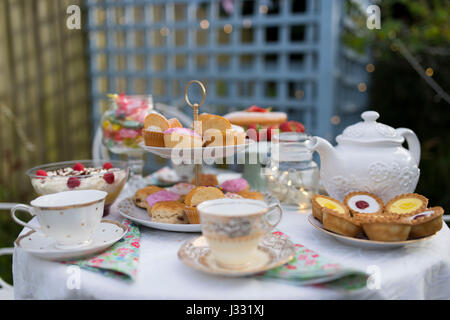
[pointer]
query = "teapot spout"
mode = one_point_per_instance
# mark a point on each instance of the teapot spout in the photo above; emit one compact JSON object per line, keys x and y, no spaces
{"x":323,"y":147}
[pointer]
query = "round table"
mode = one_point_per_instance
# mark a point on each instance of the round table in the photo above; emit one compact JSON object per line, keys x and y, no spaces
{"x":419,"y":271}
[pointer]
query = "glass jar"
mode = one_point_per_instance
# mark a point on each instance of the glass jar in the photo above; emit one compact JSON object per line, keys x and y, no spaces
{"x":292,"y":176}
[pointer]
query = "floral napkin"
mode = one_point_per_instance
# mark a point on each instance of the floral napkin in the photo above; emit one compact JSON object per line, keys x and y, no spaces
{"x":120,"y":260}
{"x":308,"y":267}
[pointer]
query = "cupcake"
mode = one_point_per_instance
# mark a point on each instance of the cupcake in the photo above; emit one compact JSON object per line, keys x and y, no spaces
{"x":363,"y":203}
{"x":407,"y":204}
{"x":218,"y":131}
{"x":340,"y":221}
{"x":182,"y":138}
{"x":426,"y":223}
{"x":206,"y":180}
{"x":197,"y":196}
{"x":154,"y":126}
{"x":319,"y":202}
{"x":387,"y":228}
{"x":235,"y":185}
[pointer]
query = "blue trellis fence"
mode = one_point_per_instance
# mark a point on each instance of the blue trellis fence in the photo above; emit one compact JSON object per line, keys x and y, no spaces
{"x":283,"y":54}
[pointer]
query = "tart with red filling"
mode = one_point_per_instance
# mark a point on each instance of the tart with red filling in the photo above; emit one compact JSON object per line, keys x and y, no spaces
{"x":426,"y":223}
{"x":363,"y":203}
{"x":319,"y":202}
{"x":407,"y":204}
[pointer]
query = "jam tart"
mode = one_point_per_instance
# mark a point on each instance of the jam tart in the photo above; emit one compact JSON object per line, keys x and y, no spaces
{"x":426,"y":223}
{"x":363,"y":203}
{"x":406,"y":205}
{"x":340,"y":222}
{"x":320,"y":202}
{"x":388,"y":228}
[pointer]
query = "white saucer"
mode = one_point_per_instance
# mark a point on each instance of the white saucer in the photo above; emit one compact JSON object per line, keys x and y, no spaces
{"x":39,"y":245}
{"x":273,"y":251}
{"x":362,"y":241}
{"x":207,"y":153}
{"x":129,"y":210}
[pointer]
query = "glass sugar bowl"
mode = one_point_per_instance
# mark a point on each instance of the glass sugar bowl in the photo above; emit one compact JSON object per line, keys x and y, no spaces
{"x":292,"y":176}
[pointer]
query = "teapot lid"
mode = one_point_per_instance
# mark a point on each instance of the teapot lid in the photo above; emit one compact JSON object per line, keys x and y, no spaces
{"x":370,"y":131}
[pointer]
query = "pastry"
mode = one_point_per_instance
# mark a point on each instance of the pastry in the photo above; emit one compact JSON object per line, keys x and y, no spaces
{"x":181,"y":188}
{"x":255,"y":195}
{"x":426,"y":223}
{"x":140,"y":197}
{"x":264,"y":118}
{"x":231,"y":195}
{"x":197,"y":196}
{"x":235,"y":185}
{"x":182,"y":138}
{"x":407,"y":204}
{"x":163,"y":195}
{"x":169,"y":212}
{"x":154,"y":126}
{"x":206,"y":180}
{"x":363,"y":203}
{"x":319,"y":202}
{"x":340,"y":221}
{"x":385,"y":227}
{"x":216,"y":122}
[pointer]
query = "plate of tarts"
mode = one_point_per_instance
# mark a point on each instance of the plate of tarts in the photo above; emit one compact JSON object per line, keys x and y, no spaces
{"x":363,"y":220}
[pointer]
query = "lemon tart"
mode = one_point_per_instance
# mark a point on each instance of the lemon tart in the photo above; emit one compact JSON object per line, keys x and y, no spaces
{"x":363,"y":203}
{"x":426,"y":223}
{"x":340,"y":222}
{"x":407,"y":204}
{"x":320,"y":202}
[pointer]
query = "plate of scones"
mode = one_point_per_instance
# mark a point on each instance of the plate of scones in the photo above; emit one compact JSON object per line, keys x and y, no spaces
{"x":211,"y":137}
{"x":363,"y":220}
{"x":175,"y":208}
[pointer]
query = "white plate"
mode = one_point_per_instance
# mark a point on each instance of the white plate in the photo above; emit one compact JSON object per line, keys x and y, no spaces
{"x":39,"y":245}
{"x":129,"y":210}
{"x":364,"y":242}
{"x":206,"y":153}
{"x":273,"y":251}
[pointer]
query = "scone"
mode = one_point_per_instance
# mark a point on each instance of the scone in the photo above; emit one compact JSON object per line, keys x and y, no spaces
{"x":154,"y":126}
{"x":340,"y":222}
{"x":206,"y":180}
{"x":169,"y":212}
{"x":426,"y":223}
{"x":197,"y":196}
{"x":363,"y":203}
{"x":406,"y":205}
{"x":160,"y":196}
{"x":387,"y":228}
{"x":319,"y":202}
{"x":140,"y":197}
{"x":255,"y":195}
{"x":182,"y":138}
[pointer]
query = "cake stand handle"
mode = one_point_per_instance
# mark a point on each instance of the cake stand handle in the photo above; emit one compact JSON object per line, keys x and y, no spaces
{"x":195,"y":107}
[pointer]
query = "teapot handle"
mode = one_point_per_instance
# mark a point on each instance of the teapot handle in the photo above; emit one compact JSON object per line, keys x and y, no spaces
{"x":413,"y":143}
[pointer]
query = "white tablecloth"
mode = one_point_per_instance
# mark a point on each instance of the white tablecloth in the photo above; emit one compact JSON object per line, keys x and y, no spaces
{"x":420,"y":271}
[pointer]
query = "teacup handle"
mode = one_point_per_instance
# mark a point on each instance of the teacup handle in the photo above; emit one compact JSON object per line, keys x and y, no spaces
{"x":269,"y":212}
{"x":30,"y":210}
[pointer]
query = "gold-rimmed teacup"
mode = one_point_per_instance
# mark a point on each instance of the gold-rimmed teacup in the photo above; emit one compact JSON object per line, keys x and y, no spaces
{"x":233,"y":228}
{"x":70,"y":217}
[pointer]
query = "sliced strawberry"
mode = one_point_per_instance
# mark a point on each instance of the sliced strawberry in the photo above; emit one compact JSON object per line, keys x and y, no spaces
{"x":109,"y":177}
{"x":78,"y":167}
{"x":73,"y":182}
{"x":42,"y":173}
{"x":292,"y":126}
{"x":256,"y":109}
{"x":269,"y":132}
{"x":107,"y":165}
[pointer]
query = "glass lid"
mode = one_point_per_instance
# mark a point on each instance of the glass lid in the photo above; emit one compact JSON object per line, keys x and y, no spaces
{"x":370,"y":131}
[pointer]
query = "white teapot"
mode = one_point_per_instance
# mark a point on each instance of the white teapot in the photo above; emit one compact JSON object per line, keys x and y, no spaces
{"x":369,"y":157}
